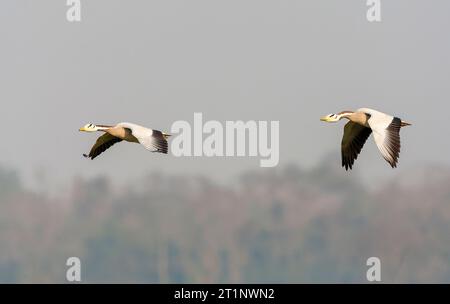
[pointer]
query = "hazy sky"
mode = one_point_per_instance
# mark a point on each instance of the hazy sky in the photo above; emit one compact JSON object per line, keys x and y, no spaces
{"x":155,"y":62}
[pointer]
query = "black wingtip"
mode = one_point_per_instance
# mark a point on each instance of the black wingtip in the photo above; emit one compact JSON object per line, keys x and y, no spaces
{"x":162,"y":146}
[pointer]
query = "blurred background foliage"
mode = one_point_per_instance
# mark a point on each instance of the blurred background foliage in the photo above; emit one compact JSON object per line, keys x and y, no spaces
{"x":286,"y":226}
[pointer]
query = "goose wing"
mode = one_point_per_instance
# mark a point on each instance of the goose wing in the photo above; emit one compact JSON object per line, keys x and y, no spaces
{"x":355,"y":136}
{"x":152,"y":140}
{"x":386,"y":132}
{"x":103,"y":143}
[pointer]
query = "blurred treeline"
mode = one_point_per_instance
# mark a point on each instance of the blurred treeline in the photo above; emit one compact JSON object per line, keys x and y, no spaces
{"x":286,"y":225}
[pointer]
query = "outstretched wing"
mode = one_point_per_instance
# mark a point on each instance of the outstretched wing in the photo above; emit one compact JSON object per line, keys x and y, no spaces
{"x":355,"y":136}
{"x":156,"y":142}
{"x":103,"y":143}
{"x":386,"y":132}
{"x":152,"y":140}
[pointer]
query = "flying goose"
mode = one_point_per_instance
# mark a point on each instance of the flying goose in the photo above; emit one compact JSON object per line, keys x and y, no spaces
{"x":153,"y":140}
{"x":385,"y":128}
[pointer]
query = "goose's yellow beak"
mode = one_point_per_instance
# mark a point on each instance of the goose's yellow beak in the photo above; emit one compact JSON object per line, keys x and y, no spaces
{"x":330,"y":118}
{"x":82,"y":129}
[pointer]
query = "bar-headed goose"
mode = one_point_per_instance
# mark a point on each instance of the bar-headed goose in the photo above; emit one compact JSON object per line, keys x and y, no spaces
{"x":385,"y":128}
{"x":153,"y":140}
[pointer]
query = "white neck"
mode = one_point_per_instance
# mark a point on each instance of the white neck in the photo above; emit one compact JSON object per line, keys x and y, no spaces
{"x":345,"y":115}
{"x":97,"y":128}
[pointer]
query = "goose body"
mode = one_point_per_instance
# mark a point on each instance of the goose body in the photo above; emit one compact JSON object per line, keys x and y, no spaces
{"x":152,"y":140}
{"x":362,"y":123}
